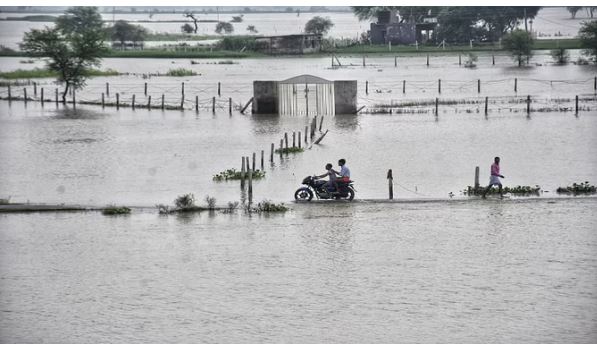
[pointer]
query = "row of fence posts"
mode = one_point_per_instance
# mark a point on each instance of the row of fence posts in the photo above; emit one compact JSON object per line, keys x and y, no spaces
{"x":247,"y":170}
{"x":439,"y":86}
{"x":336,"y":62}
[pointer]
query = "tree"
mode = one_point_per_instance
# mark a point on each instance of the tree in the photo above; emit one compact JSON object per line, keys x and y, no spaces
{"x":73,"y":45}
{"x":191,"y":15}
{"x":573,"y":10}
{"x":560,"y":56}
{"x":252,"y":29}
{"x":519,"y":43}
{"x":187,"y":28}
{"x":318,"y":25}
{"x":224,"y":26}
{"x":588,"y":38}
{"x":123,"y":31}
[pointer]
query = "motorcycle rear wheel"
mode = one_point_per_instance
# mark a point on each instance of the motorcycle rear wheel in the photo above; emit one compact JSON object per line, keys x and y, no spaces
{"x":303,"y":195}
{"x":350,"y":194}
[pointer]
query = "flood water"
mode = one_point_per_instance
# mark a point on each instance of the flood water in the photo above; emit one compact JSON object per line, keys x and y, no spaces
{"x":516,"y":272}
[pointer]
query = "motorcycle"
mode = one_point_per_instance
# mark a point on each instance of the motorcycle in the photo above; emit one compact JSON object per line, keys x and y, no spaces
{"x":313,"y":185}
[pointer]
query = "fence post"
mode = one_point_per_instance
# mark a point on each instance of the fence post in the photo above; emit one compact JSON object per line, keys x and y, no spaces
{"x":286,"y":139}
{"x":436,"y":106}
{"x":25,"y":95}
{"x":42,"y":96}
{"x":262,"y":158}
{"x":576,"y":102}
{"x":254,"y":158}
{"x":108,"y":89}
{"x":515,"y":84}
{"x":213,"y":104}
{"x":476,"y":178}
{"x":182,"y":89}
{"x":528,"y":105}
{"x":219,"y":85}
{"x":366,"y":87}
{"x":103,"y":101}
{"x":299,"y":139}
{"x":439,"y":85}
{"x":133,"y":102}
{"x":403,"y":86}
{"x":242,"y":173}
{"x":230,"y":106}
{"x":163,"y":101}
{"x":306,"y":134}
{"x":478,"y":85}
{"x":10,"y":94}
{"x":281,"y":147}
{"x":196,"y":103}
{"x":250,"y":186}
{"x":149,"y":103}
{"x":390,"y":184}
{"x":35,"y":89}
{"x":145,"y":89}
{"x":293,"y":139}
{"x":427,"y":60}
{"x":271,"y":153}
{"x":117,"y":101}
{"x":486,"y":98}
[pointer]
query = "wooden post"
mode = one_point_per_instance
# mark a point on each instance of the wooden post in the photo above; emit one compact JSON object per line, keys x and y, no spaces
{"x":108,"y":89}
{"x":493,"y":60}
{"x":403,"y":86}
{"x":395,"y":61}
{"x":213,"y":104}
{"x":363,"y":60}
{"x":242,"y":173}
{"x":25,"y":95}
{"x":230,"y":106}
{"x":459,"y":60}
{"x":250,"y":186}
{"x":486,"y":98}
{"x":254,"y":158}
{"x":299,"y":139}
{"x":390,"y":184}
{"x":306,"y":134}
{"x":42,"y":96}
{"x":35,"y":89}
{"x":10,"y":94}
{"x":478,"y":85}
{"x":149,"y":103}
{"x":286,"y":139}
{"x":145,"y":89}
{"x":248,"y":163}
{"x":427,"y":60}
{"x":476,"y":178}
{"x":262,"y":158}
{"x":196,"y":103}
{"x":74,"y":97}
{"x":271,"y":153}
{"x":117,"y":101}
{"x":182,"y":102}
{"x":321,"y":123}
{"x":103,"y":101}
{"x":293,"y":139}
{"x":528,"y":105}
{"x":281,"y":147}
{"x":163,"y":101}
{"x":219,"y":85}
{"x":182,"y":89}
{"x":439,"y":85}
{"x":56,"y":97}
{"x":133,"y":102}
{"x":576,"y":101}
{"x":595,"y":84}
{"x":366,"y":87}
{"x":515,"y":84}
{"x":436,"y":106}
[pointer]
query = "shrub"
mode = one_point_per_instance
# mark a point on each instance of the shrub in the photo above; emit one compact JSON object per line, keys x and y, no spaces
{"x":163,"y":209}
{"x":268,"y":206}
{"x":560,"y":55}
{"x":181,"y":72}
{"x":211,"y":202}
{"x":471,"y":61}
{"x":114,"y":210}
{"x":185,"y":201}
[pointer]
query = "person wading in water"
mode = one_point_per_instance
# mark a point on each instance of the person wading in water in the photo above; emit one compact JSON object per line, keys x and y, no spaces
{"x":494,"y":179}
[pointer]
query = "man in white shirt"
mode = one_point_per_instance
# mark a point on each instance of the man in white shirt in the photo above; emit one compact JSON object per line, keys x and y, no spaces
{"x":344,"y":171}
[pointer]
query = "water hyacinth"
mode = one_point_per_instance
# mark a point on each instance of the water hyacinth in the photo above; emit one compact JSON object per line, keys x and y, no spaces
{"x":233,"y":174}
{"x":576,"y":189}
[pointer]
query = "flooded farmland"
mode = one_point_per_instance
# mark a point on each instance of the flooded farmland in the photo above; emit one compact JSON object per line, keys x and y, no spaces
{"x":432,"y":265}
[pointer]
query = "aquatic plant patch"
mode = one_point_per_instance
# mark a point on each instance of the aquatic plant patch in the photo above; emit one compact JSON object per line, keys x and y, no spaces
{"x":181,"y":72}
{"x":287,"y":150}
{"x":233,"y":174}
{"x":520,"y":190}
{"x":114,"y":210}
{"x":577,"y":189}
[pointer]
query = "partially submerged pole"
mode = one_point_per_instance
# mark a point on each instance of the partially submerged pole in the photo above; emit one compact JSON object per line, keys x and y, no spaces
{"x":528,"y":105}
{"x":486,"y":99}
{"x":25,"y":95}
{"x":515,"y":84}
{"x":366,"y":87}
{"x":56,"y":94}
{"x":42,"y":96}
{"x":230,"y":106}
{"x":306,"y":133}
{"x":35,"y":89}
{"x":103,"y":101}
{"x":163,"y":101}
{"x":478,"y":85}
{"x":286,"y":139}
{"x":242,"y":173}
{"x":213,"y":104}
{"x":133,"y":102}
{"x":390,"y":184}
{"x":182,"y":90}
{"x":108,"y":89}
{"x":145,"y":89}
{"x":299,"y":139}
{"x":271,"y":154}
{"x":10,"y":94}
{"x":196,"y":103}
{"x":321,"y":123}
{"x":293,"y":139}
{"x":439,"y":85}
{"x":476,"y":178}
{"x":149,"y":103}
{"x":576,"y":105}
{"x":250,"y":186}
{"x":262,"y":158}
{"x":117,"y":101}
{"x":219,"y":85}
{"x":403,"y":86}
{"x":436,"y":106}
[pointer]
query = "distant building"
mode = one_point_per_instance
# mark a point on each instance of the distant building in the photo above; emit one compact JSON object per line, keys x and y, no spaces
{"x":389,"y":28}
{"x":289,"y":44}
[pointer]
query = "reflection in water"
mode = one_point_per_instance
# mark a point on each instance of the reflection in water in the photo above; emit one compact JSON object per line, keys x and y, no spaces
{"x":347,"y":122}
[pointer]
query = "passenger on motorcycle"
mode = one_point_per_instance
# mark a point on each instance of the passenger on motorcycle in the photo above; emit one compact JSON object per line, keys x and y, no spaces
{"x":344,"y":171}
{"x":331,"y":174}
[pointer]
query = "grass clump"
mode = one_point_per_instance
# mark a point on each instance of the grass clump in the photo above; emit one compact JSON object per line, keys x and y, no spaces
{"x":45,"y":73}
{"x":289,"y":150}
{"x":180,"y":72}
{"x":233,"y":174}
{"x":115,"y":210}
{"x":520,"y":190}
{"x":270,"y":207}
{"x":577,"y":189}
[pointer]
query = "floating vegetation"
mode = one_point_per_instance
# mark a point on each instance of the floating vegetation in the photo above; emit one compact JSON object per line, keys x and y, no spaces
{"x":267,"y":207}
{"x":233,"y":174}
{"x":577,"y":189}
{"x":289,"y":150}
{"x":181,"y":72}
{"x":114,"y":210}
{"x":520,"y":190}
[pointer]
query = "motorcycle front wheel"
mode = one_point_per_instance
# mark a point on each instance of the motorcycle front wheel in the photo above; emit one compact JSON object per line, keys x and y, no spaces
{"x":303,"y":194}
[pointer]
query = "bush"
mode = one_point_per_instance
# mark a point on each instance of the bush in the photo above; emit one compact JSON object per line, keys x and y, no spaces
{"x":576,"y":189}
{"x":560,"y":56}
{"x":268,"y":206}
{"x":211,"y":202}
{"x":471,"y":61}
{"x":114,"y":210}
{"x":185,"y":201}
{"x":225,"y":27}
{"x":180,"y":72}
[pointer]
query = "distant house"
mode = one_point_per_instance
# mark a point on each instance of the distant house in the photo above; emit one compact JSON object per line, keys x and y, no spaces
{"x":289,"y":44}
{"x":389,"y":28}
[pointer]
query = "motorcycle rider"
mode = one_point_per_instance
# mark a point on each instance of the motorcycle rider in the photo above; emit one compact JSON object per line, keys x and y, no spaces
{"x":331,"y":174}
{"x":344,"y":171}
